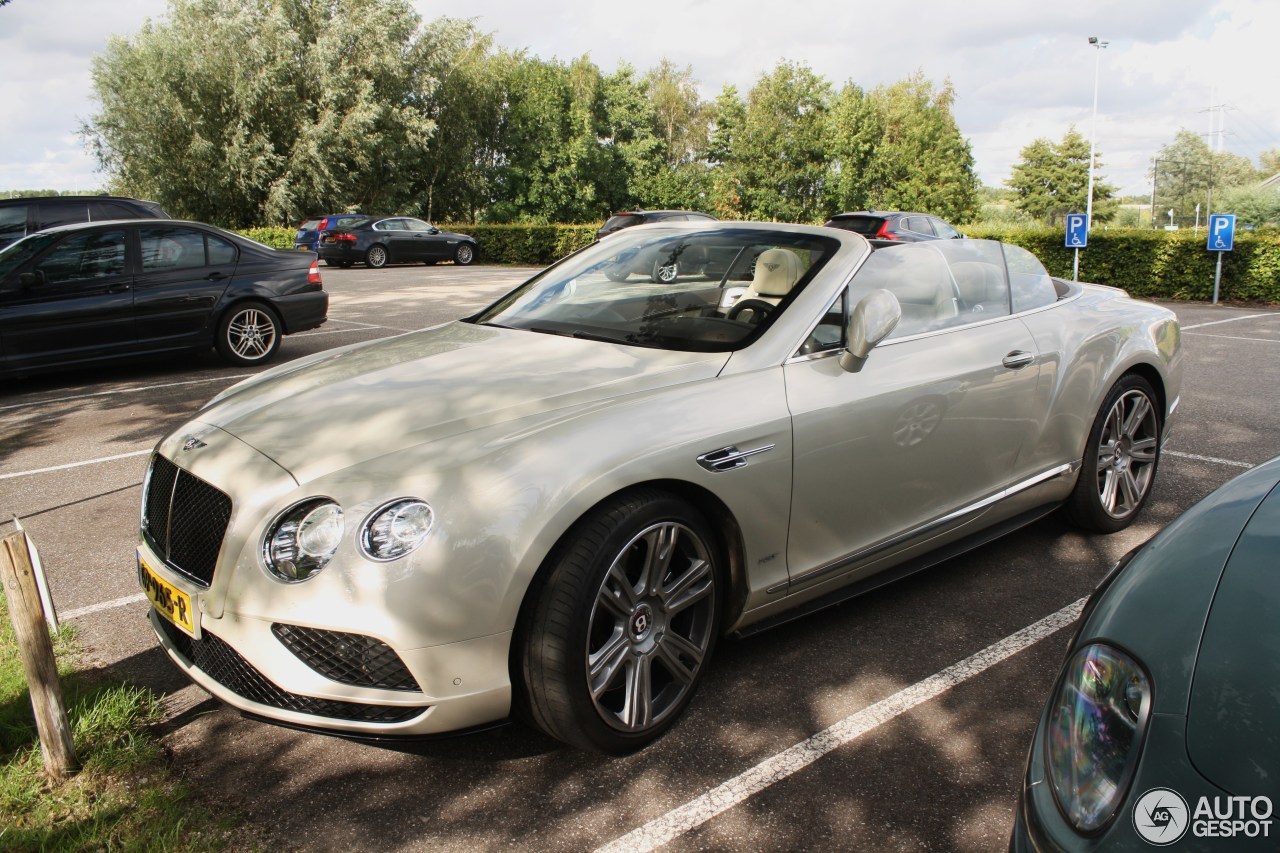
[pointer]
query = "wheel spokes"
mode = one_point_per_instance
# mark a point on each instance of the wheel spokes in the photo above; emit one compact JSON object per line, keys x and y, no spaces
{"x":651,"y":627}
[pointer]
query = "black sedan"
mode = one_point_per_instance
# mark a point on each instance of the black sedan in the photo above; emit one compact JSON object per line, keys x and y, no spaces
{"x":393,"y":240}
{"x":99,"y":291}
{"x":1164,"y":727}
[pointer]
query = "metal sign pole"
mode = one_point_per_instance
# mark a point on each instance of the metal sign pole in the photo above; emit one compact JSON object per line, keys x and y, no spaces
{"x":1075,"y":269}
{"x":1217,"y":279}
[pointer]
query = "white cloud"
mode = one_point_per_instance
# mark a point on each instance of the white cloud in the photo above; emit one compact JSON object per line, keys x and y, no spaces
{"x":1021,"y":70}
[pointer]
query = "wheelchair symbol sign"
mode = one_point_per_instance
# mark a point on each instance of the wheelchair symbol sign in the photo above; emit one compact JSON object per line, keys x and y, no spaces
{"x":1077,"y":231}
{"x":1222,"y":232}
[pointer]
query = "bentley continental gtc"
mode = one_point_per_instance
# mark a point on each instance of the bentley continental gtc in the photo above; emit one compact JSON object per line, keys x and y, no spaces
{"x":557,"y":506}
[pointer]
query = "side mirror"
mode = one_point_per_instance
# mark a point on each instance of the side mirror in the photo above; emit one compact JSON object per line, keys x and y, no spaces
{"x":433,"y":230}
{"x":31,"y":279}
{"x":873,"y":318}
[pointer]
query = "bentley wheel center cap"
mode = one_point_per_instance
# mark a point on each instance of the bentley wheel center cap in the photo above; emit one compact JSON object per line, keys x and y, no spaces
{"x":641,"y":623}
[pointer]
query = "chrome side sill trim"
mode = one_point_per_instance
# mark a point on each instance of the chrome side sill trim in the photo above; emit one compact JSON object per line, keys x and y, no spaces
{"x":859,"y":556}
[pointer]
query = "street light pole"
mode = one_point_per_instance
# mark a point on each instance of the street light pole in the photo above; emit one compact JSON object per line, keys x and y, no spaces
{"x":1093,"y":129}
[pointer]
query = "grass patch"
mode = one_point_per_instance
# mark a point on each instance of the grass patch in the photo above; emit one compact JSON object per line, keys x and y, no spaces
{"x":123,"y":798}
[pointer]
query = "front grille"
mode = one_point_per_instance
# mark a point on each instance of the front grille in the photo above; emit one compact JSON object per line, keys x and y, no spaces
{"x":347,"y":658}
{"x":224,"y":665}
{"x":184,"y":519}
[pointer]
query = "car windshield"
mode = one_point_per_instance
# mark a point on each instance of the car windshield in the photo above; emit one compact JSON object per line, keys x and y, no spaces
{"x":668,"y":288}
{"x":17,"y":254}
{"x":309,"y":225}
{"x":864,"y":225}
{"x":621,"y":220}
{"x":347,"y":223}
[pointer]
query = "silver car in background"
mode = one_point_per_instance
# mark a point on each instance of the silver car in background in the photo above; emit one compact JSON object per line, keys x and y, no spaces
{"x":558,"y":506}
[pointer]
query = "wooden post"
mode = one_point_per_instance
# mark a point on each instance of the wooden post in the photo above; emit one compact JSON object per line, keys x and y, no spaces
{"x":36,"y":650}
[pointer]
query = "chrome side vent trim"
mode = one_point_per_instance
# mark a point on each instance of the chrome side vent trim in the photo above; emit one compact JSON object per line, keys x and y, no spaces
{"x":728,"y":458}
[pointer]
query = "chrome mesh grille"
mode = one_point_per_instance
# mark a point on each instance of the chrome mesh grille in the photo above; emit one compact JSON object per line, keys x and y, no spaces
{"x":347,"y":658}
{"x":184,"y":519}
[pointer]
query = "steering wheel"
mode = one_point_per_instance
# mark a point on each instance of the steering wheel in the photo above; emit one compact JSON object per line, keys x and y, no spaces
{"x":758,"y":308}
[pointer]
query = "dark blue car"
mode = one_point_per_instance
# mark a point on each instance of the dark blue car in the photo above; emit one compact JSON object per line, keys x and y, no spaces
{"x":308,"y":236}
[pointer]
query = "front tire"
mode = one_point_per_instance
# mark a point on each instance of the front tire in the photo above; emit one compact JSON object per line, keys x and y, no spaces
{"x":665,"y":273}
{"x":1120,"y":460}
{"x":465,"y":254}
{"x":376,"y":257}
{"x":621,"y":629}
{"x":248,"y":334}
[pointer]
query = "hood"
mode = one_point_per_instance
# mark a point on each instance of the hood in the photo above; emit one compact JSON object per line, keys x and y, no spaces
{"x":341,"y":408}
{"x":1233,"y":724}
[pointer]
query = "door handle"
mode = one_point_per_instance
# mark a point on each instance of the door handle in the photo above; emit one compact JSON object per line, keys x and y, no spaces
{"x":216,"y":276}
{"x":1018,"y":359}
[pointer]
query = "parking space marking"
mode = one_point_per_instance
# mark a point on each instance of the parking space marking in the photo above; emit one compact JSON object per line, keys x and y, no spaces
{"x":105,"y":605}
{"x":1232,"y":337}
{"x":1231,"y":320}
{"x":723,"y":797}
{"x":129,"y":390}
{"x":52,"y":468}
{"x":1198,"y":458}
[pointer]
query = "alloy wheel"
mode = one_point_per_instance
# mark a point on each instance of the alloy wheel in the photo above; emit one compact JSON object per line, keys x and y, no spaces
{"x":651,"y":627}
{"x":1127,"y":452}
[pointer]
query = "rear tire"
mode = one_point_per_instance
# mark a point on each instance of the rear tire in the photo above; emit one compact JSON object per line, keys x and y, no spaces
{"x":376,"y":257}
{"x":619,"y":632}
{"x":248,"y":334}
{"x":1120,"y":460}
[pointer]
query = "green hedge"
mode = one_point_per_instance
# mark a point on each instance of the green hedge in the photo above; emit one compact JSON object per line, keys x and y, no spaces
{"x":1157,"y":264}
{"x":1154,"y":264}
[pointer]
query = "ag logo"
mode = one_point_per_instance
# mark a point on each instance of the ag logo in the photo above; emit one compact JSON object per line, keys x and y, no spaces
{"x":1160,"y":816}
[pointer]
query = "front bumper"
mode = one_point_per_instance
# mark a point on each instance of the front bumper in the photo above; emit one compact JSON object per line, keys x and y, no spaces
{"x":242,"y":661}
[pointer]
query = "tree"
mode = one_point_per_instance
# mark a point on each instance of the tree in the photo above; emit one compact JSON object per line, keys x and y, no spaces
{"x":1052,"y":180}
{"x":921,"y":162}
{"x":779,"y":157}
{"x":856,"y":130}
{"x":1252,"y":205}
{"x":242,"y":112}
{"x":1269,"y":163}
{"x":1186,"y":173}
{"x":727,"y":115}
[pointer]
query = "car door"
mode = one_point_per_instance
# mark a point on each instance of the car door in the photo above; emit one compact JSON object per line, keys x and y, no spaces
{"x":183,"y":272}
{"x":432,"y":244}
{"x":925,"y":435}
{"x":399,"y":240}
{"x":71,"y":303}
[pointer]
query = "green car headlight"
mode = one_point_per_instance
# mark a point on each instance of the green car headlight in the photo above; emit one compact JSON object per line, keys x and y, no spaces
{"x":1094,"y":734}
{"x":396,"y":529}
{"x":303,"y":539}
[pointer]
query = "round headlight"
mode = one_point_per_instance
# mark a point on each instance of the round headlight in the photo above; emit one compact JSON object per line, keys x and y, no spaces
{"x":1094,"y":734}
{"x":303,"y":539}
{"x":396,"y":529}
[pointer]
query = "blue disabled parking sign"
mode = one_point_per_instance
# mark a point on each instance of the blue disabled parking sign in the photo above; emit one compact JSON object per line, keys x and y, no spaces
{"x":1077,"y":231}
{"x":1222,"y":232}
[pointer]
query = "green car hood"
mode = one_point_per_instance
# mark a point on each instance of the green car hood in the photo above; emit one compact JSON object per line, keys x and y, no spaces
{"x":1233,"y":725}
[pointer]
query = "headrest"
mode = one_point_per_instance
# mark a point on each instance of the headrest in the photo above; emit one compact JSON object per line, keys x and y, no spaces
{"x":777,"y":271}
{"x":977,"y":281}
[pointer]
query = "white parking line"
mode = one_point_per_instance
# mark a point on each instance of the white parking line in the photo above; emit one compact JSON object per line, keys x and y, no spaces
{"x":1231,"y":320}
{"x":1212,"y":459}
{"x":128,"y":390}
{"x":106,"y":605}
{"x":1231,"y":337}
{"x":51,"y":468}
{"x":723,"y":797}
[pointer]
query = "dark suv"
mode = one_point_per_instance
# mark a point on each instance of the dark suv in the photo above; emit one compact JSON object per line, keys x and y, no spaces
{"x":308,"y":236}
{"x":628,"y":218}
{"x":903,"y":227}
{"x":22,"y":216}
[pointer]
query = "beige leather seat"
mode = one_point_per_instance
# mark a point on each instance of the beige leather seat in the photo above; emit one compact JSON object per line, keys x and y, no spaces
{"x":981,"y":287}
{"x":777,"y":271}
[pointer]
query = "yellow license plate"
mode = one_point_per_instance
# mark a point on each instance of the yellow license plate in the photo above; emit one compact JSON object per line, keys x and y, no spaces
{"x":173,"y":603}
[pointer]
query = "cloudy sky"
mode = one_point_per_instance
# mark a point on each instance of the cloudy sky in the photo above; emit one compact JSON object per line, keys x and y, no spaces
{"x":1021,"y":70}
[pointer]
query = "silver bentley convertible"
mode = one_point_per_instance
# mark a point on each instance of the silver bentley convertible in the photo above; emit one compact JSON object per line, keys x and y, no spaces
{"x":557,"y":506}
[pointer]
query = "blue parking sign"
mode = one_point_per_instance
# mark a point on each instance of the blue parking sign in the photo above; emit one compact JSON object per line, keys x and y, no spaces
{"x":1077,"y":231}
{"x":1222,"y":232}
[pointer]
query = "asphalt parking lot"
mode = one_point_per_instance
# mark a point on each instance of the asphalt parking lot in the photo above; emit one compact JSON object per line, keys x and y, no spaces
{"x":897,"y":721}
